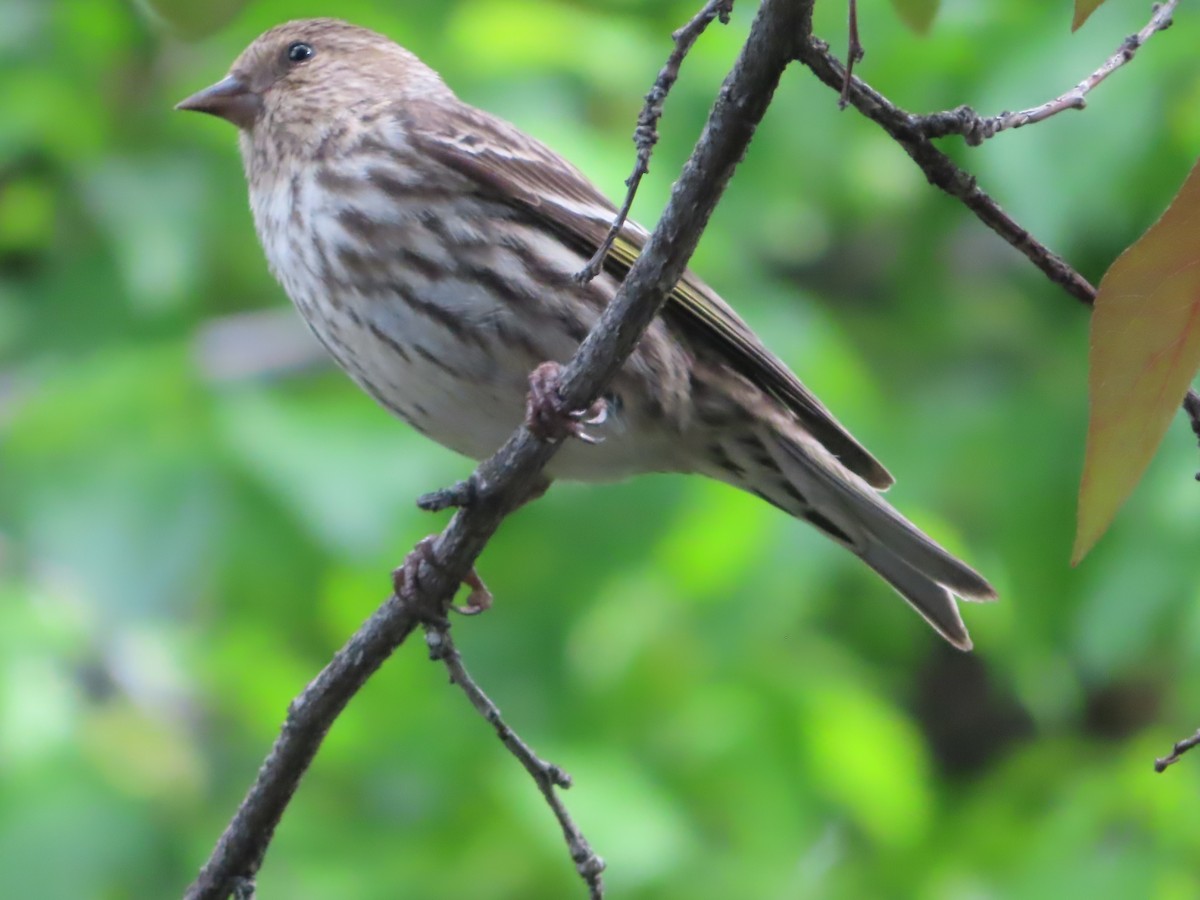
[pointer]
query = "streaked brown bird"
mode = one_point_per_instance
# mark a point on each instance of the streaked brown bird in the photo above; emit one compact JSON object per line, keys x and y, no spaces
{"x":431,"y":247}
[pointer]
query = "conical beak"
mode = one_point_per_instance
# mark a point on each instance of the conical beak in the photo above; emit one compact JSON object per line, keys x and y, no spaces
{"x":230,"y":99}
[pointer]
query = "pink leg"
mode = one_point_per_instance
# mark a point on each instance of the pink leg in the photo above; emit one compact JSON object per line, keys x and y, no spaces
{"x":405,"y":579}
{"x":545,"y":415}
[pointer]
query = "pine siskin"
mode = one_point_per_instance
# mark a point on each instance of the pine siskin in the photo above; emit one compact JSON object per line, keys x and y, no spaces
{"x":431,"y":247}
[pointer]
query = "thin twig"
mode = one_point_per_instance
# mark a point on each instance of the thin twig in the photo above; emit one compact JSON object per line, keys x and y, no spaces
{"x":513,"y":474}
{"x":1180,"y":748}
{"x":645,"y":136}
{"x":546,"y":775}
{"x":854,"y":53}
{"x":914,"y":135}
{"x":940,"y":170}
{"x":976,"y":129}
{"x":943,"y":173}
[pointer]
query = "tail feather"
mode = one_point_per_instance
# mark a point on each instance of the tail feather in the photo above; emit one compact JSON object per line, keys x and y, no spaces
{"x":932,"y":600}
{"x":796,"y":473}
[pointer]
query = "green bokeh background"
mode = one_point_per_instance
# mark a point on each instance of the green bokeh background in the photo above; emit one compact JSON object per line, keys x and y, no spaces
{"x":195,"y":510}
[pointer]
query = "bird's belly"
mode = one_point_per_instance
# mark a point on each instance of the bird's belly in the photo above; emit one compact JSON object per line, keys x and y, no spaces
{"x":443,"y":325}
{"x":467,"y":392}
{"x":450,"y":390}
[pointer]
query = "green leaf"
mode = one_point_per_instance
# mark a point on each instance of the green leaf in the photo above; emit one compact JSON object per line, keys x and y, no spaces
{"x":916,"y":14}
{"x":1083,"y":9}
{"x":1145,"y":351}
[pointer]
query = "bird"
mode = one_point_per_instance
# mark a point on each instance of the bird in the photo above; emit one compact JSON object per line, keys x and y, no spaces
{"x":433,"y":249}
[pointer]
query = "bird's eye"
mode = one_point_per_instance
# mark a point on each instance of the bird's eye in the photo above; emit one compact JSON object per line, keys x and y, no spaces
{"x":299,"y":51}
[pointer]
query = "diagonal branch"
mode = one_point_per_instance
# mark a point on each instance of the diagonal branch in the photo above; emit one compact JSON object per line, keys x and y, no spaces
{"x":513,"y":475}
{"x":547,"y":776}
{"x":940,"y":169}
{"x":976,"y":129}
{"x":942,"y":172}
{"x":1181,"y":747}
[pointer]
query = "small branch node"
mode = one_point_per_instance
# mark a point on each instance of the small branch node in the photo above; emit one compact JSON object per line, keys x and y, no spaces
{"x":435,"y":642}
{"x":976,"y":130}
{"x":461,"y":494}
{"x":1177,"y":751}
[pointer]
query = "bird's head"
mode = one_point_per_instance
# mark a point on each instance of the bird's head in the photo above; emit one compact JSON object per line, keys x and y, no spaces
{"x":305,"y":73}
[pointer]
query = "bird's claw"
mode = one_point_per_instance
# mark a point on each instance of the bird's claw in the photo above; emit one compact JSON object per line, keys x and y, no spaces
{"x":480,"y":598}
{"x":545,"y":416}
{"x":406,"y":579}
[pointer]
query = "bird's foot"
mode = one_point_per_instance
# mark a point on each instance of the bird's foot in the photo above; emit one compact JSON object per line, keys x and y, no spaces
{"x":407,"y":578}
{"x":546,"y":415}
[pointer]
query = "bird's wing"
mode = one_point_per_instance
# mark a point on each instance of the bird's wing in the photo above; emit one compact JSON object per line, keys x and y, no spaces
{"x":513,"y":167}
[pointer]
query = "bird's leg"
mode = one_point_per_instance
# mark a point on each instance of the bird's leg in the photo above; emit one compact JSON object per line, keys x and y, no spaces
{"x":546,"y":416}
{"x":406,"y":579}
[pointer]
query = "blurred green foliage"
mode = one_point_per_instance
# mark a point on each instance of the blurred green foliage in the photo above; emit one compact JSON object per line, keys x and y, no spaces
{"x":195,"y":511}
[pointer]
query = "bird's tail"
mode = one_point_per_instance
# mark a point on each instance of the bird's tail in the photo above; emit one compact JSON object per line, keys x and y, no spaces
{"x":796,"y":473}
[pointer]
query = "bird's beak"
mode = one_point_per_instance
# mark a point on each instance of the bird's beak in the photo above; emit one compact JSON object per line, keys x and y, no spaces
{"x":230,"y":99}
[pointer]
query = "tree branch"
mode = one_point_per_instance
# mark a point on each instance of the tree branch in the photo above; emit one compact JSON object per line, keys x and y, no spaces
{"x":942,"y":172}
{"x":1180,"y":748}
{"x":976,"y":129}
{"x":546,"y":775}
{"x":914,"y":134}
{"x":513,"y":475}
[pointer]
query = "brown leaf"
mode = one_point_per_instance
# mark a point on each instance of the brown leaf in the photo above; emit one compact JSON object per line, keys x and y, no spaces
{"x":1145,"y":351}
{"x":1083,"y":9}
